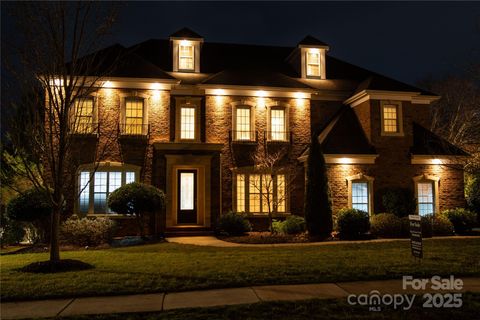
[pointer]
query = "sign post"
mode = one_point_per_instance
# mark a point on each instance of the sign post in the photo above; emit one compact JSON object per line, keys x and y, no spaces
{"x":416,"y":235}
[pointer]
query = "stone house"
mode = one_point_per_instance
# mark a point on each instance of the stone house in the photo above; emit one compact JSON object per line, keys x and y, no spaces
{"x":191,"y":117}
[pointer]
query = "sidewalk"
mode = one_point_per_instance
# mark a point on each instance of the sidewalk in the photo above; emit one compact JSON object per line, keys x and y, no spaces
{"x":206,"y":298}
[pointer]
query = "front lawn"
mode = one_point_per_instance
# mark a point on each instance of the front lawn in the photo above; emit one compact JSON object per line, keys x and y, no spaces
{"x":174,"y":267}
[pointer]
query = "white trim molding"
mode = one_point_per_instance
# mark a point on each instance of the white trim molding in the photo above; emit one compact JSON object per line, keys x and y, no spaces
{"x":413,"y":97}
{"x":361,"y":178}
{"x":437,"y":159}
{"x":259,"y":92}
{"x":345,"y":158}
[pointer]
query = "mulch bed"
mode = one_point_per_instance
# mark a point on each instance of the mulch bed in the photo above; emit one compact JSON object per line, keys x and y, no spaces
{"x":268,"y":238}
{"x":64,"y":265}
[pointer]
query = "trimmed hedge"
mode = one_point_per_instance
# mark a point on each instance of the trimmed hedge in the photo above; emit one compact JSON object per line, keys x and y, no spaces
{"x":386,"y":225}
{"x":233,"y":224}
{"x":352,"y":223}
{"x":291,"y":225}
{"x":463,"y":220}
{"x":86,"y":231}
{"x":441,"y":226}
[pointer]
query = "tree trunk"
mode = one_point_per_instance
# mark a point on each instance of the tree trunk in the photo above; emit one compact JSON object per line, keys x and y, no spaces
{"x":54,"y":231}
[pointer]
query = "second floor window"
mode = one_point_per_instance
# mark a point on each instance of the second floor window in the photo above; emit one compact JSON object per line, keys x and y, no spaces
{"x":243,"y":130}
{"x":186,"y":57}
{"x":83,"y":116}
{"x":134,"y":115}
{"x":390,"y":118}
{"x":313,"y":64}
{"x":187,"y":123}
{"x":278,"y":127}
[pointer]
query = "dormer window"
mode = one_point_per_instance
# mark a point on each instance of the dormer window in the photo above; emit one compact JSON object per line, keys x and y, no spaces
{"x":186,"y":53}
{"x":313,"y":53}
{"x":186,"y":50}
{"x":313,"y":63}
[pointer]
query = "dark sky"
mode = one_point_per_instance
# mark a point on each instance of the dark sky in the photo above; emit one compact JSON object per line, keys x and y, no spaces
{"x":404,"y":40}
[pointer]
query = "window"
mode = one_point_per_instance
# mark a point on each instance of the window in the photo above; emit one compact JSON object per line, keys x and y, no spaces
{"x":243,"y":124}
{"x":278,"y":130}
{"x":313,"y":63}
{"x":134,"y":114}
{"x":186,"y":57}
{"x":187,"y":123}
{"x":425,"y":196}
{"x":256,"y":192}
{"x":82,"y":118}
{"x":95,"y":187}
{"x":391,"y":118}
{"x":360,"y":195}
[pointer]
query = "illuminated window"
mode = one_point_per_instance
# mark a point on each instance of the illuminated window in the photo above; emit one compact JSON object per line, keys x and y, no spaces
{"x":278,"y":130}
{"x":134,"y":116}
{"x":256,"y":193}
{"x":240,"y":193}
{"x":186,"y":57}
{"x":313,"y":63}
{"x":243,"y":123}
{"x":425,"y":198}
{"x":187,"y":123}
{"x":82,"y":119}
{"x":95,"y":187}
{"x":360,"y":196}
{"x":390,"y":118}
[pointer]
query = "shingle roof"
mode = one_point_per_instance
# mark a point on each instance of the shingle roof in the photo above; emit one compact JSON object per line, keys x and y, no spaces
{"x":186,"y":33}
{"x":312,"y":41}
{"x":426,"y":142}
{"x":344,"y":135}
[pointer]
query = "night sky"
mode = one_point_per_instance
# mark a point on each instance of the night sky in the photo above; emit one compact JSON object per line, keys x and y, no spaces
{"x":407,"y":41}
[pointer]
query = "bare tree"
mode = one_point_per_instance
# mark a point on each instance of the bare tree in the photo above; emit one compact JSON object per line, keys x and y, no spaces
{"x":273,"y":181}
{"x":52,"y":66}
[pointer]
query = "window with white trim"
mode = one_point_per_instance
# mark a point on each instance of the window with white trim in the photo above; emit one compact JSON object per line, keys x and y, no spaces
{"x":278,"y":125}
{"x":390,"y":118}
{"x":95,"y":187}
{"x":313,"y":63}
{"x":186,"y":57}
{"x":187,"y":122}
{"x":243,"y":124}
{"x":425,"y":197}
{"x":255,"y":193}
{"x":360,"y":195}
{"x":134,"y":117}
{"x":82,"y":121}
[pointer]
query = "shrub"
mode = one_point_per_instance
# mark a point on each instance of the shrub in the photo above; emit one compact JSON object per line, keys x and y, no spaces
{"x":291,"y":225}
{"x":352,"y":223}
{"x":399,"y":201}
{"x":233,"y":224}
{"x":33,"y":209}
{"x":463,"y":220}
{"x":11,"y":232}
{"x":86,"y":231}
{"x":137,"y":199}
{"x":441,"y":226}
{"x":386,"y":225}
{"x":318,"y":209}
{"x":472,"y":193}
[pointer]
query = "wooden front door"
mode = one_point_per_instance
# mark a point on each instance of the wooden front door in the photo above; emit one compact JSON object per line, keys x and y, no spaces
{"x":187,"y":197}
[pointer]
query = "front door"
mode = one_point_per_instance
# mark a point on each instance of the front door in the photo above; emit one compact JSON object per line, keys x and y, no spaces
{"x":187,"y":197}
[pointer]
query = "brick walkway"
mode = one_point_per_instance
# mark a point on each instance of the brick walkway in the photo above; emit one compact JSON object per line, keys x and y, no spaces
{"x":206,"y":298}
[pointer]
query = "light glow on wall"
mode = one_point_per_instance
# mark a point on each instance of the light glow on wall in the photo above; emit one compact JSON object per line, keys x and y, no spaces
{"x":261,"y":93}
{"x":436,"y":161}
{"x":107,"y":84}
{"x":345,"y":160}
{"x":219,"y":92}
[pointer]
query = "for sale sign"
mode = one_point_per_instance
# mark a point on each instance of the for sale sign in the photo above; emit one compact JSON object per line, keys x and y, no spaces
{"x":416,"y":235}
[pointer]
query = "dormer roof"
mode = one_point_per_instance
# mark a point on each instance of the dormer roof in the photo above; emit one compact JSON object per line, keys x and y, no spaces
{"x":185,"y":33}
{"x":310,"y":41}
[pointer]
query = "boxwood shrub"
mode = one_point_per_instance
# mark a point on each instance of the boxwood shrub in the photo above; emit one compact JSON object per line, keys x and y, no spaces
{"x":352,"y":223}
{"x":386,"y":225}
{"x":233,"y":224}
{"x":463,"y":220}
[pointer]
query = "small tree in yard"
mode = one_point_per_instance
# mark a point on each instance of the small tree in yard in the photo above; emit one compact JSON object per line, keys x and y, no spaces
{"x":318,"y":211}
{"x":137,"y":199}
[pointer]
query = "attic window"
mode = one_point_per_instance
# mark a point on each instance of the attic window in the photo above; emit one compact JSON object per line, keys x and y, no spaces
{"x":313,"y":63}
{"x":186,"y":56}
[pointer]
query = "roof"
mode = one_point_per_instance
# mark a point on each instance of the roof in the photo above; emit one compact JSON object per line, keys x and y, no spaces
{"x":312,"y":41}
{"x":344,"y":135}
{"x":244,"y":64}
{"x":186,"y":33}
{"x":426,"y":142}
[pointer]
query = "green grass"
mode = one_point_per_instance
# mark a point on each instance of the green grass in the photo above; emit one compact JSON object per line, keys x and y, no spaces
{"x":304,"y":310}
{"x":173,"y":267}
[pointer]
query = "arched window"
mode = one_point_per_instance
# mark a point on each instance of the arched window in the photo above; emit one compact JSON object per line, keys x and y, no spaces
{"x":426,"y":193}
{"x":360,"y":192}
